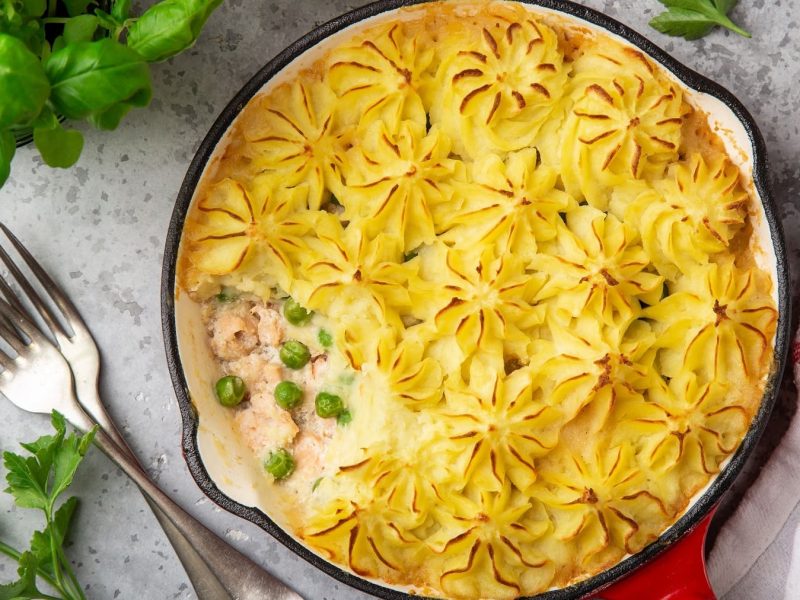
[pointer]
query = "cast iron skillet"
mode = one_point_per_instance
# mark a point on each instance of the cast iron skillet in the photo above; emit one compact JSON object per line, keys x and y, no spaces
{"x":686,"y":572}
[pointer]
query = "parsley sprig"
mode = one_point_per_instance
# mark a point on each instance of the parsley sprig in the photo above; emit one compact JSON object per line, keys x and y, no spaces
{"x":38,"y":481}
{"x":692,"y":19}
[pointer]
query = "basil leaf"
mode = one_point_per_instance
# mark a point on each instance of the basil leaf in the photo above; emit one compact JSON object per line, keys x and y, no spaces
{"x":106,"y":20}
{"x":121,"y":10}
{"x":34,"y":8}
{"x":59,"y":147}
{"x":80,"y":29}
{"x":8,"y":146}
{"x":23,"y":84}
{"x":93,"y":77}
{"x":109,"y":119}
{"x":76,"y":7}
{"x":169,"y":27}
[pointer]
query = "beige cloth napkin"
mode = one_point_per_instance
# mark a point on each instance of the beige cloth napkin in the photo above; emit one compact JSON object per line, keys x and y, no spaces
{"x":763,"y":513}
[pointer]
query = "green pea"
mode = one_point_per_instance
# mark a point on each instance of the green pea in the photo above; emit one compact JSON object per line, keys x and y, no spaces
{"x":227,"y":294}
{"x":345,"y":417}
{"x":325,"y":338}
{"x":279,"y":464}
{"x":294,"y":354}
{"x":296,"y":314}
{"x":230,"y":390}
{"x":288,"y":394}
{"x":328,"y":405}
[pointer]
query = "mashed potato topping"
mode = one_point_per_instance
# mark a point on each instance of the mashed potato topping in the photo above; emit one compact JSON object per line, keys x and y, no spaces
{"x":538,"y":328}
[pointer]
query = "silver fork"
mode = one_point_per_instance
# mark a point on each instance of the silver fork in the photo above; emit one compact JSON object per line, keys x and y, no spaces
{"x":40,"y":377}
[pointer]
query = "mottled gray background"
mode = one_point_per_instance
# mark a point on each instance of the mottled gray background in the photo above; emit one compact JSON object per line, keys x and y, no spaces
{"x":101,"y":225}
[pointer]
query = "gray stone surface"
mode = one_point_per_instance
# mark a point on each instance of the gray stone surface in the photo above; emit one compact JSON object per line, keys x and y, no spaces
{"x":100,"y":227}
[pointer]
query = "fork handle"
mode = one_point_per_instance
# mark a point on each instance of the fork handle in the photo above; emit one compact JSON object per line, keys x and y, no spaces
{"x":223,"y":573}
{"x":203,"y":577}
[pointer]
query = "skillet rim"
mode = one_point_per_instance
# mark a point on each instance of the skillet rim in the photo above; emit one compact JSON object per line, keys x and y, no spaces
{"x":690,"y":79}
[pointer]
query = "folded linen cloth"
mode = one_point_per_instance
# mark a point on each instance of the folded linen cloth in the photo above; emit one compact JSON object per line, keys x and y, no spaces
{"x":763,"y":511}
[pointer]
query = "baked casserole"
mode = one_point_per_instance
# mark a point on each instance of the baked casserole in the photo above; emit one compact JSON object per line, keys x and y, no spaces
{"x":481,"y":288}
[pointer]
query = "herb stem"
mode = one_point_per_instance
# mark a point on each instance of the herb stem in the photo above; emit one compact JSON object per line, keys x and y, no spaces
{"x":76,"y":587}
{"x":728,"y":24}
{"x":51,"y":7}
{"x":16,"y":555}
{"x":54,"y":553}
{"x":54,"y":20}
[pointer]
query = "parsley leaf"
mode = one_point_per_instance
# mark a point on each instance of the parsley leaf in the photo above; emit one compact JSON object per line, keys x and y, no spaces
{"x":25,"y":587}
{"x":692,"y":19}
{"x":38,"y":481}
{"x":58,"y":528}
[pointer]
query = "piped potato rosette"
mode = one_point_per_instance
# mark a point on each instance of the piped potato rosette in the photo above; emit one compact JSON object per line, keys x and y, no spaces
{"x":513,"y":285}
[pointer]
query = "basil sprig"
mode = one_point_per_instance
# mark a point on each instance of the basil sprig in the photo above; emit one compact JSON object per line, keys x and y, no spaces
{"x":82,"y":59}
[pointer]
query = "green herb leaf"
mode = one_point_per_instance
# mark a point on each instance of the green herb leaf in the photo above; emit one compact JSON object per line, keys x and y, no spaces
{"x":76,"y":7}
{"x":59,"y":147}
{"x":27,"y":481}
{"x":34,"y":8}
{"x":121,"y":10}
{"x":169,"y":27}
{"x":725,"y":6}
{"x":37,"y":481}
{"x":23,"y":84}
{"x":692,"y":19}
{"x":28,"y":477}
{"x":106,"y":20}
{"x":92,"y":78}
{"x":8,"y":146}
{"x":80,"y":29}
{"x":59,"y":528}
{"x":67,"y":459}
{"x":110,"y":119}
{"x":25,"y":587}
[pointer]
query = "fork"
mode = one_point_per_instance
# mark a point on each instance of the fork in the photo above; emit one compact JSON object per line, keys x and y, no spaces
{"x":40,"y":376}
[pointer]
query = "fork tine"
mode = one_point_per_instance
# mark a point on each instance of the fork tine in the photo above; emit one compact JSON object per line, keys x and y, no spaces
{"x":6,"y":362}
{"x":22,"y":323}
{"x":11,"y":295}
{"x":12,"y":337}
{"x":33,"y":296}
{"x":51,"y":287}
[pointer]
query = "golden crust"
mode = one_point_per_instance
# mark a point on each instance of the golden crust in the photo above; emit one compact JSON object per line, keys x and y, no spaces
{"x":540,"y":265}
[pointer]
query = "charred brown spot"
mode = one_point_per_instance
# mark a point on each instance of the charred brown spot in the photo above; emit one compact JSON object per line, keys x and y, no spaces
{"x":495,"y":106}
{"x":721,"y":311}
{"x":597,"y":138}
{"x":471,"y":95}
{"x":491,"y":42}
{"x":538,"y":87}
{"x":607,"y":276}
{"x":637,"y":156}
{"x":510,"y":31}
{"x":601,"y":93}
{"x":588,"y":497}
{"x":467,"y":73}
{"x":476,"y":55}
